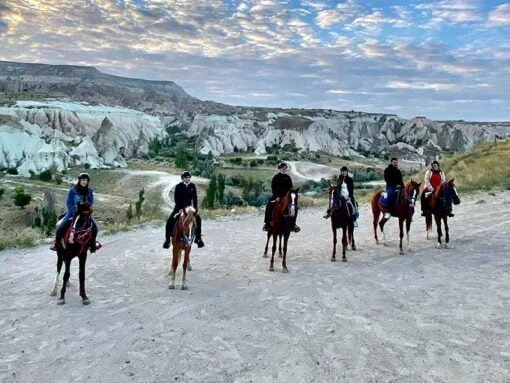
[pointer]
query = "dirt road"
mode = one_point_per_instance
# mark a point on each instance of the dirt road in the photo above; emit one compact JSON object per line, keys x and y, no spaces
{"x":427,"y":316}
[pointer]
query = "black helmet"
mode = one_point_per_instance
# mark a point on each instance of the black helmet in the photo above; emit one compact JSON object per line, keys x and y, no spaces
{"x":185,"y":174}
{"x":344,"y":168}
{"x":84,"y":176}
{"x":282,"y":165}
{"x":434,"y":163}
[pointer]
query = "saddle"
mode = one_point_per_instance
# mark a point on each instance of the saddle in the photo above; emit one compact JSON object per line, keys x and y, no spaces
{"x":390,"y":205}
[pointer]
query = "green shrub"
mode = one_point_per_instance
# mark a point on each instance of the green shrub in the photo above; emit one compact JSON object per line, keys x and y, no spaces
{"x":20,"y":198}
{"x":46,"y":175}
{"x":12,"y":171}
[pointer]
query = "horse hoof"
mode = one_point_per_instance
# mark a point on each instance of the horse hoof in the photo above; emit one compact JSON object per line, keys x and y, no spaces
{"x":344,"y":259}
{"x":189,"y":268}
{"x":401,"y":252}
{"x":61,"y":301}
{"x":354,"y":248}
{"x":184,"y":287}
{"x":86,"y":301}
{"x":438,"y":246}
{"x":265,"y":256}
{"x":285,"y":270}
{"x":333,"y":259}
{"x":171,"y":287}
{"x":446,"y":246}
{"x":271,"y":269}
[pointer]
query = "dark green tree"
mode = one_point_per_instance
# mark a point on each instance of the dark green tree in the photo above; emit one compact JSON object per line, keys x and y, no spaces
{"x":20,"y":198}
{"x":221,"y":189}
{"x":211,"y":193}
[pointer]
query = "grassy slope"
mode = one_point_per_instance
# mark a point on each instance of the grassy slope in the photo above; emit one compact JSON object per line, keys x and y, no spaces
{"x":486,"y":168}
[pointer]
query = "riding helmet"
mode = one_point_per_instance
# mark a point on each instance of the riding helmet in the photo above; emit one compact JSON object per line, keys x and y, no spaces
{"x":434,"y":163}
{"x":84,"y":176}
{"x":185,"y":174}
{"x":282,"y":165}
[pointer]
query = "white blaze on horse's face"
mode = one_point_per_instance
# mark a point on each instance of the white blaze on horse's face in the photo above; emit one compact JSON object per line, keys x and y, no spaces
{"x":292,"y":204}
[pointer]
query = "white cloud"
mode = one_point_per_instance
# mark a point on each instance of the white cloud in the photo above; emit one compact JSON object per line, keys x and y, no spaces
{"x":500,"y":16}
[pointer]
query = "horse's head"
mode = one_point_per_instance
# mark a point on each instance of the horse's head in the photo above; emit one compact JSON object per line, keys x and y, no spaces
{"x":411,"y":191}
{"x":449,"y":191}
{"x":186,"y":224}
{"x":293,"y":195}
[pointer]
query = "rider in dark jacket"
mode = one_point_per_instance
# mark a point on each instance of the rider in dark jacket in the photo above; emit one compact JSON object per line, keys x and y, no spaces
{"x":345,"y":186}
{"x":185,"y":195}
{"x":394,"y":180}
{"x":280,"y":185}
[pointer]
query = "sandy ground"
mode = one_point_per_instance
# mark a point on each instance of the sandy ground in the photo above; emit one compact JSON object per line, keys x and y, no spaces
{"x":427,"y":316}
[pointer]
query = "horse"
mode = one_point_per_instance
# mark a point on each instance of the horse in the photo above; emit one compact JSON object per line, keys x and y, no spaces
{"x":404,"y":209}
{"x":284,"y":218}
{"x":340,"y":218}
{"x":182,"y":240}
{"x":74,"y":243}
{"x":439,"y":204}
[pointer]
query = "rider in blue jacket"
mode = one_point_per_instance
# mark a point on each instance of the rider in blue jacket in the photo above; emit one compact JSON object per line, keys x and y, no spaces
{"x":79,"y":194}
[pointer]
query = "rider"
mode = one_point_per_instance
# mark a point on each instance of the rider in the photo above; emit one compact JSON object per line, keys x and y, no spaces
{"x":434,"y":177}
{"x":77,"y":196}
{"x":346,"y":187}
{"x":185,"y":195}
{"x":280,"y":186}
{"x":394,"y":181}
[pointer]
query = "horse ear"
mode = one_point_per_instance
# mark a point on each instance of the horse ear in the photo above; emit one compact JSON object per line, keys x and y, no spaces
{"x":451,"y":181}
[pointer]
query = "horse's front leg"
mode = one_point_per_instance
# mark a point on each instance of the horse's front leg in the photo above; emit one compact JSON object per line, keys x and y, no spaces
{"x":408,"y":230}
{"x":401,"y":234}
{"x":446,"y":232}
{"x":284,"y":261}
{"x":351,"y":236}
{"x":185,"y":263}
{"x":280,"y":252}
{"x":428,"y":224}
{"x":67,"y":273}
{"x":437,"y":218}
{"x":81,"y":276}
{"x":333,"y":256}
{"x":173,"y":267}
{"x":267,"y":244}
{"x":60,"y":261}
{"x":273,"y":251}
{"x":344,"y":243}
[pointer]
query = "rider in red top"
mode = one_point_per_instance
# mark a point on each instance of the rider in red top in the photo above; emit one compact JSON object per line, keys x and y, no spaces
{"x":434,"y":177}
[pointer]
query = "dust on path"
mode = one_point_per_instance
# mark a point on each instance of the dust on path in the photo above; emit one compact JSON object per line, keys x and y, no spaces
{"x":428,"y":316}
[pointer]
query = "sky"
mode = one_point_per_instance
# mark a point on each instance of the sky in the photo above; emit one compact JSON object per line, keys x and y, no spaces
{"x":446,"y":59}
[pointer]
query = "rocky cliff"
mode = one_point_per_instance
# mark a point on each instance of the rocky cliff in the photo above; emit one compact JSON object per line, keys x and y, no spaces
{"x":85,"y":116}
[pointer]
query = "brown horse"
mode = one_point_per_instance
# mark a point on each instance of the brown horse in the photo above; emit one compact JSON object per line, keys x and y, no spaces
{"x":284,"y":218}
{"x":75,"y":243}
{"x":340,"y":219}
{"x":439,"y":204}
{"x":404,"y":209}
{"x":182,"y":239}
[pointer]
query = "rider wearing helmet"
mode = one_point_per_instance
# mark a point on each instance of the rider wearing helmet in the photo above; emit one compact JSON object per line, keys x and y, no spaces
{"x":185,"y":195}
{"x":280,"y":186}
{"x":79,"y":195}
{"x":434,"y":177}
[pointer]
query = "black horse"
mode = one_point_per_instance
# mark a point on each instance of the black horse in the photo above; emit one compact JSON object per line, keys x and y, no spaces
{"x":75,"y":243}
{"x":341,"y":218}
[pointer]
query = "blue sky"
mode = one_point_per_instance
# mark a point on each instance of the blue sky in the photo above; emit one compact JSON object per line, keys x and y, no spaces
{"x":446,"y":59}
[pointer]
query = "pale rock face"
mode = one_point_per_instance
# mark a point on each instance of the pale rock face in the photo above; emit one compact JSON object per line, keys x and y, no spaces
{"x":35,"y":136}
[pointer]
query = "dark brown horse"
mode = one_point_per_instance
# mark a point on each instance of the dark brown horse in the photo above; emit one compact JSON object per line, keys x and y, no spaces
{"x":75,"y":243}
{"x":182,"y":240}
{"x":284,"y":218}
{"x":439,"y":205}
{"x":340,"y":219}
{"x":404,"y":210}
